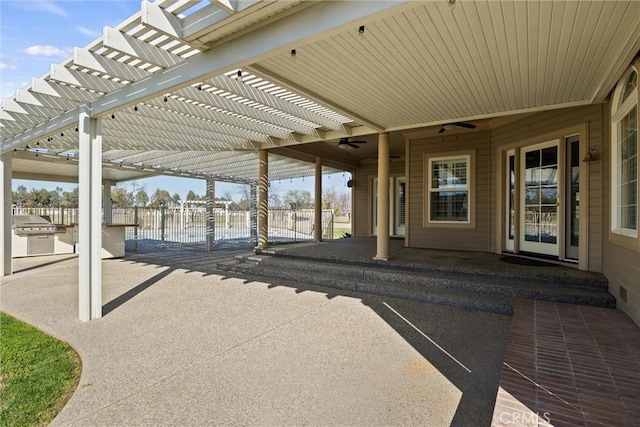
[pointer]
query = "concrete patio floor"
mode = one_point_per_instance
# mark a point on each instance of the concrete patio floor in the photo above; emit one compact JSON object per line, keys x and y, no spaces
{"x":178,"y":346}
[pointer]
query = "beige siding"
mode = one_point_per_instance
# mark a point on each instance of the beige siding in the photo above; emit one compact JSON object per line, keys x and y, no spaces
{"x":443,"y":236}
{"x":620,"y":265}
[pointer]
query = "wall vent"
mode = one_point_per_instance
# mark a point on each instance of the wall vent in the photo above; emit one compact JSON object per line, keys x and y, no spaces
{"x":622,"y":291}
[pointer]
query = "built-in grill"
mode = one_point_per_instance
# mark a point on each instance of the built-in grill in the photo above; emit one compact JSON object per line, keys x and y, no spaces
{"x":38,"y":231}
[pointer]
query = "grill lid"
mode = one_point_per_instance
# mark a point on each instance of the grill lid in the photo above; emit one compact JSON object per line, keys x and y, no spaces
{"x":29,"y":224}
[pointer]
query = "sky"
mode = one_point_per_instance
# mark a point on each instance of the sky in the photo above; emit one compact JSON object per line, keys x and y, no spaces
{"x":36,"y":33}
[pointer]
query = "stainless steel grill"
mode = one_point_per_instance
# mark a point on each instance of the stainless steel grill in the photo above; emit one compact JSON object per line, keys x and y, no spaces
{"x":38,"y":231}
{"x":25,"y":225}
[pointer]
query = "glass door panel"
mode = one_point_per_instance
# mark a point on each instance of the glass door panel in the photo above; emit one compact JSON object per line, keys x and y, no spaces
{"x":511,"y":201}
{"x":573,"y":198}
{"x":539,"y":201}
{"x":400,"y":207}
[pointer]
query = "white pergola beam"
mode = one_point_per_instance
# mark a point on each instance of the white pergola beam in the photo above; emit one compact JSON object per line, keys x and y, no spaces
{"x":68,"y":76}
{"x":116,"y":40}
{"x":159,"y":19}
{"x":42,"y":130}
{"x":265,"y":98}
{"x":256,"y":131}
{"x":201,"y":135}
{"x":320,"y":20}
{"x":229,"y":105}
{"x":86,"y":59}
{"x":21,"y":118}
{"x":185,"y":113}
{"x":145,"y":156}
{"x":137,"y":139}
{"x":213,"y":160}
{"x":229,"y":6}
{"x":51,"y":88}
{"x":200,"y":22}
{"x":25,"y":96}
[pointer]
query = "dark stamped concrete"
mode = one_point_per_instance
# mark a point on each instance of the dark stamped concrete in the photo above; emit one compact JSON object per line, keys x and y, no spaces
{"x":568,"y":365}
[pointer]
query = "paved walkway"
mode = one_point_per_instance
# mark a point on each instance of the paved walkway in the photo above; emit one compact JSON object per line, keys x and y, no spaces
{"x":179,"y":346}
{"x":569,"y":365}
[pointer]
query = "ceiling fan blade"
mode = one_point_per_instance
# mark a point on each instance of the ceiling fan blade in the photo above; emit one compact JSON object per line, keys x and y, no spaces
{"x":442,"y":129}
{"x":465,"y":125}
{"x":352,"y":145}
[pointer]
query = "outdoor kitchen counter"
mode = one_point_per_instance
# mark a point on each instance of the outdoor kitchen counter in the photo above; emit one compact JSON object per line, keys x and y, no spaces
{"x":113,"y":237}
{"x":113,"y":240}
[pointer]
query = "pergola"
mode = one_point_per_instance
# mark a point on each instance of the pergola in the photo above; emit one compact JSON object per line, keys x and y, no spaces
{"x":257,"y":90}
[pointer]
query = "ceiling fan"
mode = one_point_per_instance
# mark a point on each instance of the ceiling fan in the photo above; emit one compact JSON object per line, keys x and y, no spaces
{"x":345,"y":143}
{"x":446,"y":126}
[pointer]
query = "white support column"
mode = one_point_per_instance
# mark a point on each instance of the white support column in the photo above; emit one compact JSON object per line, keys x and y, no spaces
{"x":263,"y":200}
{"x":382,"y":252}
{"x":5,"y":215}
{"x":317,"y":222}
{"x":90,"y":218}
{"x":211,"y":214}
{"x":107,"y":204}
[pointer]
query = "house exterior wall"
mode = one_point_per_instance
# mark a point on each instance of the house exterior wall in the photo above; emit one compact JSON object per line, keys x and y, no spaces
{"x":618,"y":260}
{"x":549,"y":125}
{"x":421,"y":233}
{"x":621,"y":257}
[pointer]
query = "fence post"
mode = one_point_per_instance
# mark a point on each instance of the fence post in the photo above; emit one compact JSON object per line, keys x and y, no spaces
{"x":253,"y":215}
{"x":162,"y":223}
{"x":135,"y":229}
{"x":210,"y":215}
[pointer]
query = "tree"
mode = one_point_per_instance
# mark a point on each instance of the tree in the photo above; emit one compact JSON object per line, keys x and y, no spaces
{"x":160,"y":198}
{"x":275,"y":202}
{"x":70,"y":198}
{"x":37,"y":198}
{"x":55,"y":196}
{"x":297,"y":199}
{"x":245,"y":197}
{"x":142,"y":198}
{"x":175,"y":199}
{"x":20,"y":196}
{"x":121,"y":198}
{"x":191,"y":196}
{"x":340,"y":202}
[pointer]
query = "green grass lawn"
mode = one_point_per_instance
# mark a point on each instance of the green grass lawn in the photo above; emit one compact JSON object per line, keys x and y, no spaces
{"x":38,"y":374}
{"x":339,"y":230}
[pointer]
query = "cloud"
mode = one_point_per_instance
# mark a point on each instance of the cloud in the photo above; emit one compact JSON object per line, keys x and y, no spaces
{"x":51,"y":7}
{"x":47,"y":50}
{"x":3,"y":66}
{"x":88,"y":32}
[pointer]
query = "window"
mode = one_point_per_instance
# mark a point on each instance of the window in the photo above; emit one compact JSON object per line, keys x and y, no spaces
{"x":448,"y":198}
{"x":624,"y":159}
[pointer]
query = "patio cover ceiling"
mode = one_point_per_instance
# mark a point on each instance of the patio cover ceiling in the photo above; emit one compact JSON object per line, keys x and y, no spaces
{"x":195,"y":88}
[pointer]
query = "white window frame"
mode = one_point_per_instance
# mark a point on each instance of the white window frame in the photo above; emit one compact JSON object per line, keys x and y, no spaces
{"x":430,"y":161}
{"x":618,"y":112}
